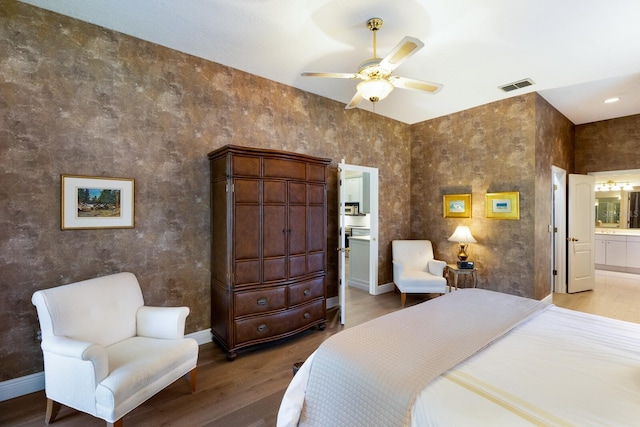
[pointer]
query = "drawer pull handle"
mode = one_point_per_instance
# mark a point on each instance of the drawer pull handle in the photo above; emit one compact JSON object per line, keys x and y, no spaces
{"x":262,"y":328}
{"x":262,"y":301}
{"x":307,"y":292}
{"x":307,"y":315}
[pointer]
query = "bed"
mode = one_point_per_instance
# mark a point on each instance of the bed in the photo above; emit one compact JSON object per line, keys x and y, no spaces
{"x":472,"y":357}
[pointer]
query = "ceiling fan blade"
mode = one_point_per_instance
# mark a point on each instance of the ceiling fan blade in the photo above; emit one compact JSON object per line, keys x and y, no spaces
{"x":405,"y":83}
{"x":330,"y":75}
{"x":354,"y":101}
{"x":403,"y":50}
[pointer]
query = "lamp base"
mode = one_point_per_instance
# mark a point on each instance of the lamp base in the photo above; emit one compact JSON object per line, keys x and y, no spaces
{"x":462,"y":252}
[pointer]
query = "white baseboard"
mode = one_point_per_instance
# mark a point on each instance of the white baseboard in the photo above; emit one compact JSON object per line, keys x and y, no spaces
{"x":202,"y":337}
{"x":548,"y":298}
{"x":17,"y":387}
{"x":20,"y":386}
{"x":333,"y":302}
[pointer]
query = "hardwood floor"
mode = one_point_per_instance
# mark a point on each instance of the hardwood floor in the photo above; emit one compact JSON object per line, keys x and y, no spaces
{"x":247,"y":391}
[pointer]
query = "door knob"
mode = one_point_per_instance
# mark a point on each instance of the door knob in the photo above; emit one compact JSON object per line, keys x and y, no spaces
{"x":572,"y":239}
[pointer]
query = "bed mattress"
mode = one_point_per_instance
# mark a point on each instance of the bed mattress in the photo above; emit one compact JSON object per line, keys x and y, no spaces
{"x":559,"y":368}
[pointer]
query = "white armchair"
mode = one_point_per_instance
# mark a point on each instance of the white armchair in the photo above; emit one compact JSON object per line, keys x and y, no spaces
{"x":414,"y":269}
{"x":105,"y":353}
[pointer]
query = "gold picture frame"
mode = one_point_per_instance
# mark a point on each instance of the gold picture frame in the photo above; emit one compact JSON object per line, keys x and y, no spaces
{"x":503,"y":205}
{"x":456,"y":205}
{"x":89,"y":202}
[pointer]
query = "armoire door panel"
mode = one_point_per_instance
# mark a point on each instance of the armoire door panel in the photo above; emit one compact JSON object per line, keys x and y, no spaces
{"x":316,"y":194}
{"x":246,"y":191}
{"x":274,"y":269}
{"x":247,"y":272}
{"x":281,"y":168}
{"x":297,"y":266}
{"x":297,"y":230}
{"x":316,"y":173}
{"x":246,"y":165}
{"x":316,"y":262}
{"x":247,"y":232}
{"x":275,"y":232}
{"x":297,"y":193}
{"x":274,"y":192}
{"x":316,"y":235}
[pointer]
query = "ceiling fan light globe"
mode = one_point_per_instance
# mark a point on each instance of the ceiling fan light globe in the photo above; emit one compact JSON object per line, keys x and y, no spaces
{"x":375,"y":90}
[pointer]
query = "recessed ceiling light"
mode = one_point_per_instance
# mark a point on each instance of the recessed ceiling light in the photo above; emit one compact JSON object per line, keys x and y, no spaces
{"x":611,"y":100}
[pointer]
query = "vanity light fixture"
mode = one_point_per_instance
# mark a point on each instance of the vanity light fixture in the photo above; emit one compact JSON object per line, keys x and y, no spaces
{"x":627,"y":187}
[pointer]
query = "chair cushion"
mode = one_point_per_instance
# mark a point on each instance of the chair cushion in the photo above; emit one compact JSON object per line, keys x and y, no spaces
{"x":101,"y":310}
{"x":140,"y":367}
{"x":422,"y":282}
{"x":414,"y":254}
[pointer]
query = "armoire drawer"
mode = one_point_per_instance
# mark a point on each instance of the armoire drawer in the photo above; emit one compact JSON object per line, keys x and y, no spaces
{"x":306,"y":291}
{"x":259,"y":301}
{"x":283,"y":323}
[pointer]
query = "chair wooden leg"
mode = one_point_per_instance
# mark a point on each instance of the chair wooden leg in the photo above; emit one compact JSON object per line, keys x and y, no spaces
{"x":191,"y":379}
{"x":53,"y":408}
{"x":118,"y":423}
{"x":403,"y":298}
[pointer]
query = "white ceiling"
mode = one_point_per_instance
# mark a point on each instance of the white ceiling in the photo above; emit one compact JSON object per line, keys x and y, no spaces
{"x":578,"y":52}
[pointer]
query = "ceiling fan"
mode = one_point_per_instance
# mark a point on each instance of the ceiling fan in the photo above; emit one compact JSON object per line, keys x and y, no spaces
{"x":375,"y":73}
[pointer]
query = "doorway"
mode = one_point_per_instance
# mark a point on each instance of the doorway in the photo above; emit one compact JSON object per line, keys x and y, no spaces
{"x":358,"y":211}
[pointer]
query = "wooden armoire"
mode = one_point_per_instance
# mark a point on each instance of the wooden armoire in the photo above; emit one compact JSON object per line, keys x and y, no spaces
{"x":269,"y":245}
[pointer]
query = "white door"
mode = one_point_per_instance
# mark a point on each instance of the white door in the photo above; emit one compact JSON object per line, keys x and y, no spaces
{"x":370,"y":197}
{"x":341,"y":243}
{"x":581,"y":236}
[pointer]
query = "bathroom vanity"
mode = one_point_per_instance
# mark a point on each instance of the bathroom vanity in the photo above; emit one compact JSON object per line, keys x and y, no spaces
{"x":618,"y":250}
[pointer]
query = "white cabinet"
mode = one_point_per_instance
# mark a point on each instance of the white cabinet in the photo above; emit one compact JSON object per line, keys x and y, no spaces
{"x":353,"y":189}
{"x":359,"y":262}
{"x":633,"y":251}
{"x":600,"y":249}
{"x":360,"y":231}
{"x":617,"y":252}
{"x":357,"y":189}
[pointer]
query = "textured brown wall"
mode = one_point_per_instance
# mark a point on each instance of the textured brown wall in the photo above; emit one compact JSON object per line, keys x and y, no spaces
{"x":508,"y":145}
{"x":608,"y":145}
{"x":490,"y":148}
{"x":554,"y":147}
{"x":79,"y":99}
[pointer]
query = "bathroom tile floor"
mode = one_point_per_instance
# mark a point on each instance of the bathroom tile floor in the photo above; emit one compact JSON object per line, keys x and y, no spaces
{"x":616,"y":295}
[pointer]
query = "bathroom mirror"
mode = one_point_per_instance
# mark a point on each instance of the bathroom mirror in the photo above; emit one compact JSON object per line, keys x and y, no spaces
{"x":608,"y":211}
{"x":617,"y":199}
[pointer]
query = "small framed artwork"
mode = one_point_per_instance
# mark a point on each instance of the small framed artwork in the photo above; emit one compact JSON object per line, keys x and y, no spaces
{"x":457,"y":205}
{"x":503,"y":205}
{"x":95,"y":202}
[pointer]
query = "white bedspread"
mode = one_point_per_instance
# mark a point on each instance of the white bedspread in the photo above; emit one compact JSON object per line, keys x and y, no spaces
{"x":559,"y":368}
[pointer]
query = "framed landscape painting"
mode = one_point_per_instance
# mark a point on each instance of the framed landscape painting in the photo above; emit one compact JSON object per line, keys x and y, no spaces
{"x":457,"y":205}
{"x":96,"y":202}
{"x":503,"y":205}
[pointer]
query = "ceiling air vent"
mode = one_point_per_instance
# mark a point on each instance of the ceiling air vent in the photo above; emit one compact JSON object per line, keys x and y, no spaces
{"x":516,"y":85}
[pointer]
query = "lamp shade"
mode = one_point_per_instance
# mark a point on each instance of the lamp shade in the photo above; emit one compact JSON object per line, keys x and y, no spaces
{"x":375,"y":89}
{"x":462,"y":235}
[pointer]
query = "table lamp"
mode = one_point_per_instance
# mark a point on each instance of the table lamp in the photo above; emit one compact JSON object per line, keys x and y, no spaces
{"x":462,"y":236}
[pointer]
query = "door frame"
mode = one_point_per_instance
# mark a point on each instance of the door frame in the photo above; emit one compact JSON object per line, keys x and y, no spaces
{"x":558,"y":230}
